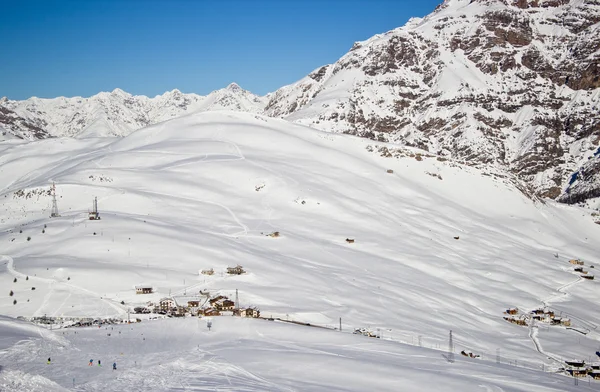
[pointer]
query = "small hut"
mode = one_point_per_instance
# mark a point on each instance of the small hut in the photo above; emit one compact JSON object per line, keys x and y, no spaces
{"x":237,"y":270}
{"x":143,"y":289}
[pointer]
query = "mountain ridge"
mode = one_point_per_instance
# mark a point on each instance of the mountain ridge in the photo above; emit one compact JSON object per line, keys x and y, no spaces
{"x":114,"y":113}
{"x":513,"y":84}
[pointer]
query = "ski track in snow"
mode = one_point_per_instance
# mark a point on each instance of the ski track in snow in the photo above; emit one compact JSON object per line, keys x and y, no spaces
{"x":52,"y":283}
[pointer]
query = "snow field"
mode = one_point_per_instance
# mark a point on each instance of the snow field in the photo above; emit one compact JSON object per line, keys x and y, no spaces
{"x":182,"y":196}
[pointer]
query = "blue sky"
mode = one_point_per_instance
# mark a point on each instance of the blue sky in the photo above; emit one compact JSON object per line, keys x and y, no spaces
{"x":79,"y":48}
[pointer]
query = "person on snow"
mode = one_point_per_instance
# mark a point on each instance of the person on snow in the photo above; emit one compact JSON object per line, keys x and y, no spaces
{"x":114,"y":366}
{"x":48,"y":360}
{"x":91,"y":362}
{"x":99,"y":363}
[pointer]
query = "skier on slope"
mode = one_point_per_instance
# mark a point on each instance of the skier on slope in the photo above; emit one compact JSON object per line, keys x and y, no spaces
{"x":91,"y":362}
{"x":114,"y":366}
{"x":99,"y":363}
{"x":48,"y":360}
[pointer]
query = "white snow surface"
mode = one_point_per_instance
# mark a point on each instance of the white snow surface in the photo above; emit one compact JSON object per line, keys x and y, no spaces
{"x":119,"y":113}
{"x":250,"y":355}
{"x":202,"y":191}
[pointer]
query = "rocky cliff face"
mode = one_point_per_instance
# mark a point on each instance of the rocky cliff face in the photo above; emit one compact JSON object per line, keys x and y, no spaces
{"x":113,"y":114}
{"x":513,"y":83}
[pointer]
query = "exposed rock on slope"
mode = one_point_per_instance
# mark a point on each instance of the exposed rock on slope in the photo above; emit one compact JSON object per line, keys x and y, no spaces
{"x":511,"y":83}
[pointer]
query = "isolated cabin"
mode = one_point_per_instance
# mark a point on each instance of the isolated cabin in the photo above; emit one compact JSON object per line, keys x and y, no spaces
{"x":143,"y":289}
{"x":513,"y":311}
{"x":237,"y":270}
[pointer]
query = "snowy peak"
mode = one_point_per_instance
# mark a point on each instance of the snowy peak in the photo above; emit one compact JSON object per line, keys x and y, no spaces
{"x":514,"y":84}
{"x":115,"y":113}
{"x":234,"y":87}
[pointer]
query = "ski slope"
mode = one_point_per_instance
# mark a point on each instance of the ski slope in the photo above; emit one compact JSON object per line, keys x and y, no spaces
{"x":203,"y":191}
{"x":250,"y":355}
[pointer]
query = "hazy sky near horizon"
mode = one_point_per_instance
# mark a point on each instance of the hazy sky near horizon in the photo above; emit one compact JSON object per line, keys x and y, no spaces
{"x":79,"y":48}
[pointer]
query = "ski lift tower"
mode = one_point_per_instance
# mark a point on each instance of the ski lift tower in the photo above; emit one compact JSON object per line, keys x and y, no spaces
{"x":94,"y":215}
{"x":54,"y":213}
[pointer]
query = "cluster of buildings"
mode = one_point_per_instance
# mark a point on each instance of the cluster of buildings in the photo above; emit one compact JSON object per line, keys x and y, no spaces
{"x":237,"y":270}
{"x":181,"y":306}
{"x":580,"y":369}
{"x":540,"y":315}
{"x":579,"y":268}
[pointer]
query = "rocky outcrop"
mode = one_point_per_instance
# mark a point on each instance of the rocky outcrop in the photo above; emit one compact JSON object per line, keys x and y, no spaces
{"x":512,"y":83}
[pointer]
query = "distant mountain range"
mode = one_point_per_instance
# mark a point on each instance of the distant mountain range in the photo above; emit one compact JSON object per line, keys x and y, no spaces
{"x":113,"y":114}
{"x":510,"y":83}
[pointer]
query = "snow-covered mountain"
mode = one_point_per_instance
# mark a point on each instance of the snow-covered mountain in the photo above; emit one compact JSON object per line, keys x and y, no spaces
{"x":388,"y":238}
{"x":114,"y":114}
{"x":514,"y":83}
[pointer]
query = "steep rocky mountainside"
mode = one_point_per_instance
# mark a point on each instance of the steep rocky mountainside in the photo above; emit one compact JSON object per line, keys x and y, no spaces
{"x":512,"y":83}
{"x":113,"y":114}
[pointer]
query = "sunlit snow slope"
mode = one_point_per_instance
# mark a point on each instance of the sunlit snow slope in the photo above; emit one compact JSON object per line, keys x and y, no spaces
{"x":250,"y":356}
{"x":203,"y":191}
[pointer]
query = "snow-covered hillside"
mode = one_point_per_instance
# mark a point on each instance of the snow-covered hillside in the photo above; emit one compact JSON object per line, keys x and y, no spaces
{"x":114,"y":114}
{"x":438,"y":245}
{"x":250,"y":356}
{"x":514,"y":83}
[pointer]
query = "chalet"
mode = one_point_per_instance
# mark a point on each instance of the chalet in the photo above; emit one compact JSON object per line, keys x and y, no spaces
{"x":577,"y":364}
{"x":237,"y":270}
{"x":350,"y":240}
{"x":556,"y":321}
{"x":166,"y":304}
{"x":576,"y":262}
{"x":595,"y":374}
{"x":217,"y":299}
{"x":210,"y":312}
{"x":248,"y":312}
{"x":390,"y":171}
{"x":566,"y":322}
{"x":227,"y":305}
{"x":588,"y":277}
{"x":513,"y":320}
{"x":538,"y":311}
{"x":513,"y":311}
{"x":193,"y":304}
{"x":143,"y":289}
{"x":578,"y":372}
{"x":578,"y":269}
{"x":208,"y":272}
{"x":549,"y":313}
